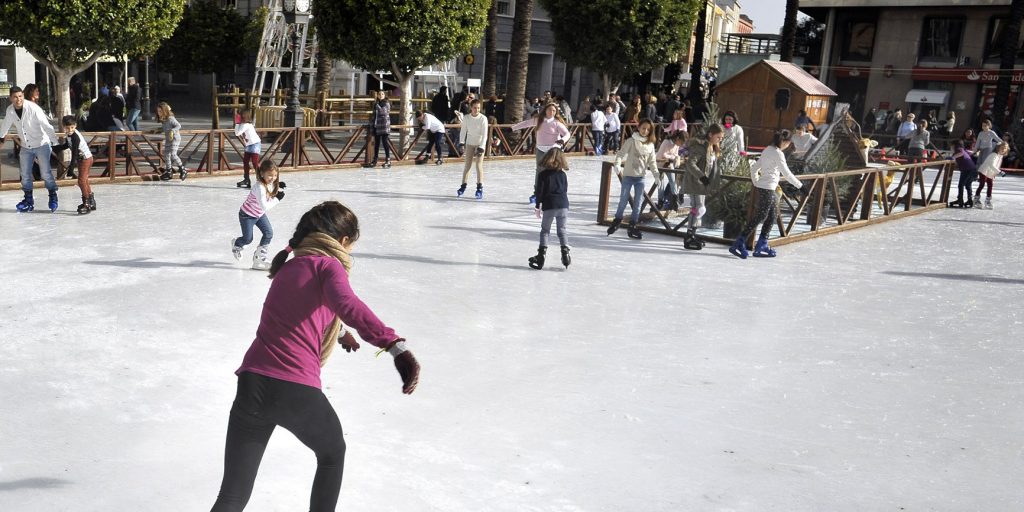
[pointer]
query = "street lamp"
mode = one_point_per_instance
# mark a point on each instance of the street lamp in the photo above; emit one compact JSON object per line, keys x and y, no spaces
{"x":296,"y":12}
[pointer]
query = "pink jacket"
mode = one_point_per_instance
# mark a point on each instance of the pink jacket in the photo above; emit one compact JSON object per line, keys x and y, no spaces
{"x":549,"y":133}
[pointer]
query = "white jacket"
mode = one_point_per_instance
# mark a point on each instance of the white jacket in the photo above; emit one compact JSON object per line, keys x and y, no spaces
{"x":638,"y":155}
{"x":431,"y":123}
{"x":767,"y":170}
{"x":990,"y":167}
{"x":33,"y":126}
{"x":246,"y":132}
{"x":474,"y":131}
{"x":613,"y":122}
{"x":597,"y":121}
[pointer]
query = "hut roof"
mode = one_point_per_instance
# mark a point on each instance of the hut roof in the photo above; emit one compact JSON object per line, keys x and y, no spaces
{"x":793,"y":74}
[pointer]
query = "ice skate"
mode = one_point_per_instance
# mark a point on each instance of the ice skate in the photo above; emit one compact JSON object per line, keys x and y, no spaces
{"x":92,"y":201}
{"x":691,"y":242}
{"x":566,"y":259}
{"x":165,"y":174}
{"x":739,"y":247}
{"x":969,"y":203}
{"x":28,"y":204}
{"x":439,"y":161}
{"x":615,"y":226}
{"x":53,"y":202}
{"x":387,"y":164}
{"x":461,"y":190}
{"x":182,"y":172}
{"x":988,"y":203}
{"x":634,"y":232}
{"x":761,"y":249}
{"x":236,"y":251}
{"x":479,"y":191}
{"x":84,"y":208}
{"x":537,"y":262}
{"x":259,"y":259}
{"x":977,"y":200}
{"x":956,"y":204}
{"x":244,"y":184}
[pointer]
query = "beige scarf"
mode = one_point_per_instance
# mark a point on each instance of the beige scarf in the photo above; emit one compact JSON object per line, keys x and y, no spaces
{"x":320,"y":244}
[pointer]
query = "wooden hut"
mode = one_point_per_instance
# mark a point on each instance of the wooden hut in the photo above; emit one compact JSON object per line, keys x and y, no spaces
{"x":752,"y":94}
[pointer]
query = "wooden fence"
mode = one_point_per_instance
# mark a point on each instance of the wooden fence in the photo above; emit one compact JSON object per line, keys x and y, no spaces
{"x":870,"y":196}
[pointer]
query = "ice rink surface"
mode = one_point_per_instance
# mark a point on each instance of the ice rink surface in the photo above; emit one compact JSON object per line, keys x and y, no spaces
{"x":873,"y":370}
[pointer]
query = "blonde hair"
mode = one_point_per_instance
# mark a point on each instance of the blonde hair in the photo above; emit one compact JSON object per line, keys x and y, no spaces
{"x":554,"y":159}
{"x":161,"y":108}
{"x":1001,"y":146}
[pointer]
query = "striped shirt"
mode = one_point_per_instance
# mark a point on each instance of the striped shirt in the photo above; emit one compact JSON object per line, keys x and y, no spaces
{"x":257,"y":204}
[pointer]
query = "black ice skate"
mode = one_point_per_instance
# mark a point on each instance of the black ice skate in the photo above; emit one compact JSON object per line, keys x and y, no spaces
{"x":537,"y":262}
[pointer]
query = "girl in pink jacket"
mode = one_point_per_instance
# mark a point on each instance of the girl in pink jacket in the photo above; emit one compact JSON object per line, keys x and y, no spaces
{"x":550,"y":132}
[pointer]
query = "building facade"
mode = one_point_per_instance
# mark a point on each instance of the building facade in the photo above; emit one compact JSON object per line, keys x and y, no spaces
{"x":917,"y":55}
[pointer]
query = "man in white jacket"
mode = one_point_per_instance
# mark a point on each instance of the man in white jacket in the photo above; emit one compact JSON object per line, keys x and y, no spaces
{"x":36,"y":136}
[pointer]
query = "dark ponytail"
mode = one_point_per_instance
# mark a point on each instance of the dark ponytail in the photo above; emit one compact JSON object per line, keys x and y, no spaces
{"x":781,"y":136}
{"x":329,"y":217}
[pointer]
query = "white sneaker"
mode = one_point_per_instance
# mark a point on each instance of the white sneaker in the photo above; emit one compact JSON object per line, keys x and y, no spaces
{"x":259,"y":259}
{"x":236,"y":251}
{"x":988,"y":203}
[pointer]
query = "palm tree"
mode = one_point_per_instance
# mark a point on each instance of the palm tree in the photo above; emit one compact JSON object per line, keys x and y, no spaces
{"x":1010,"y":46}
{"x":788,"y":42}
{"x":324,"y":70}
{"x":491,"y":52}
{"x":697,"y":64}
{"x":518,"y":61}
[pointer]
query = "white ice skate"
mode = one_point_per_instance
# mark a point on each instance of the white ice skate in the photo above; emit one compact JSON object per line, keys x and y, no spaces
{"x":236,"y":251}
{"x":988,"y":203}
{"x":259,"y":259}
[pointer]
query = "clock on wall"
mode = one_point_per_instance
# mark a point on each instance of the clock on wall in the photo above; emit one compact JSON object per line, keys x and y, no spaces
{"x":299,"y":6}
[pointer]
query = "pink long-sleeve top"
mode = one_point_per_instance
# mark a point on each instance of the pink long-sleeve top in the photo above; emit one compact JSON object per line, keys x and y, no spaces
{"x":550,"y":133}
{"x":304,"y":297}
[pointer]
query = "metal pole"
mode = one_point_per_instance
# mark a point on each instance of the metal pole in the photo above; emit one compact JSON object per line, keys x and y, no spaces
{"x":146,"y":114}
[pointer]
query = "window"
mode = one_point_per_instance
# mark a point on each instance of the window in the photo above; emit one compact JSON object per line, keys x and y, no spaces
{"x":501,"y":84}
{"x":941,"y":38}
{"x":506,"y":7}
{"x":859,"y":40}
{"x":994,"y":43}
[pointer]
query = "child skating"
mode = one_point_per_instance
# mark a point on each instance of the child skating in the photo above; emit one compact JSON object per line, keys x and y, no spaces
{"x":968,"y":175}
{"x":765,"y":174}
{"x":435,"y":133}
{"x":550,"y":132}
{"x":702,"y":154}
{"x":264,"y":196}
{"x":987,"y":171}
{"x":279,"y":379}
{"x":171,"y":129}
{"x":552,"y":205}
{"x":81,"y":159}
{"x":474,"y":136}
{"x":631,"y":164}
{"x":246,"y":132}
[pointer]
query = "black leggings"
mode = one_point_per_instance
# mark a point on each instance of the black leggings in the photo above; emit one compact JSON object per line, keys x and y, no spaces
{"x":381,"y":140}
{"x":966,"y":179}
{"x":262,"y":403}
{"x":767,"y":204}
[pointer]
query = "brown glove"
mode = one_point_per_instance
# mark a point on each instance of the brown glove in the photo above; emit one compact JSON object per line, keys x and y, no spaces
{"x":348,"y":342}
{"x":406,"y":364}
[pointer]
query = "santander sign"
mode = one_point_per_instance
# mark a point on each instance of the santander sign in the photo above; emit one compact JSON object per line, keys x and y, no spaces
{"x":984,"y":76}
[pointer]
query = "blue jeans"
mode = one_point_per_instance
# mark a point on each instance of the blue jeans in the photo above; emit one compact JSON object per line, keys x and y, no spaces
{"x":42,"y":154}
{"x":133,"y":119}
{"x":435,"y":140}
{"x":636,"y":183}
{"x":598,"y":141}
{"x":247,"y":222}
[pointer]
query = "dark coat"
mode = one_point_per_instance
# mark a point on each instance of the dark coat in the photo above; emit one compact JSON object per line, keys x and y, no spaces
{"x":697,"y":152}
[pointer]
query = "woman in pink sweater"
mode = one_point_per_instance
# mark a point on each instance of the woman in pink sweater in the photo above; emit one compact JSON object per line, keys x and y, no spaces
{"x":550,"y":132}
{"x":279,"y":380}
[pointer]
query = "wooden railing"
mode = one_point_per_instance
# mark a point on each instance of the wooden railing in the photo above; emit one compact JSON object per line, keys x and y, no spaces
{"x":871,"y":195}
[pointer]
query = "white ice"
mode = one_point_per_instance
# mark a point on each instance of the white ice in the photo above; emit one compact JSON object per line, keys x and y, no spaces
{"x":865,"y":371}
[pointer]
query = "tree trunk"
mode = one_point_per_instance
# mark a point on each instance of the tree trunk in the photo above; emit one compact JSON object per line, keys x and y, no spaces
{"x":518,"y":61}
{"x":324,"y":69}
{"x":62,"y":77}
{"x":788,"y":42}
{"x":697,"y":65}
{"x":491,"y":53}
{"x":1010,"y":45}
{"x":606,"y":85}
{"x":405,"y":103}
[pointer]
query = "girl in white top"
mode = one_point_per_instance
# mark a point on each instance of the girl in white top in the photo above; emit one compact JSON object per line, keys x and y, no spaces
{"x":987,"y":140}
{"x":989,"y":169}
{"x":264,"y":196}
{"x":765,"y":174}
{"x":474,"y":136}
{"x":246,"y":132}
{"x":670,"y":155}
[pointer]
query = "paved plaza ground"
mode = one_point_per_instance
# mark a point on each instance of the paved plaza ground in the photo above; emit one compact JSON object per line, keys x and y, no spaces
{"x":871,"y":370}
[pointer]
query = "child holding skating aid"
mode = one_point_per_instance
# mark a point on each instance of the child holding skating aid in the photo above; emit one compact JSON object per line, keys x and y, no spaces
{"x":264,"y":196}
{"x":81,"y":159}
{"x":968,"y":174}
{"x":171,"y":128}
{"x":669,"y":156}
{"x":246,"y":132}
{"x":989,"y":169}
{"x":552,"y":204}
{"x":279,"y":379}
